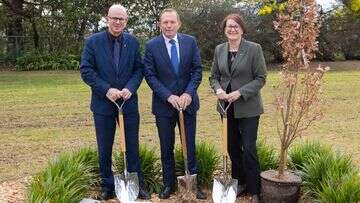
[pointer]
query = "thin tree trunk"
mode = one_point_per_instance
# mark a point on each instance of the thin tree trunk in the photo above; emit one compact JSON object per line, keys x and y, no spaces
{"x":80,"y":34}
{"x":283,"y":162}
{"x":35,"y":34}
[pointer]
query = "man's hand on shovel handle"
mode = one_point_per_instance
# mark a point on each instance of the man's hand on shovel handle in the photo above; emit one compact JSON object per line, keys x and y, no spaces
{"x":113,"y":94}
{"x":174,"y":101}
{"x":185,"y":100}
{"x":125,"y":94}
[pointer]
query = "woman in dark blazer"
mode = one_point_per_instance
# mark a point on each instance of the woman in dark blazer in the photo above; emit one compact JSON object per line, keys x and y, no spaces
{"x":237,"y":75}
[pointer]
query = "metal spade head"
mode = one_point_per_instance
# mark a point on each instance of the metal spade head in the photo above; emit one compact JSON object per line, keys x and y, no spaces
{"x":187,"y":186}
{"x":126,"y":186}
{"x":224,"y":190}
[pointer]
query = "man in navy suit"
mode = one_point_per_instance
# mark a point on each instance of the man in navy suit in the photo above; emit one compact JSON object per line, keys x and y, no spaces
{"x":111,"y":65}
{"x":173,"y":70}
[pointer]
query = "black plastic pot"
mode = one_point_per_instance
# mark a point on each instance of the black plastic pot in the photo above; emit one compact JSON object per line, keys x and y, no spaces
{"x":274,"y":190}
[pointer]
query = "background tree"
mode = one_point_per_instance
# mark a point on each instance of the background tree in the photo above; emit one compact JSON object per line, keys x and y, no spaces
{"x":340,"y":34}
{"x":144,"y":15}
{"x":14,"y":25}
{"x":202,"y":18}
{"x":50,"y":26}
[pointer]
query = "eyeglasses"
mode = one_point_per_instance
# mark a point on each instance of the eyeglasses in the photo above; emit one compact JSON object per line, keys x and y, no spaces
{"x":116,"y":19}
{"x":235,"y":27}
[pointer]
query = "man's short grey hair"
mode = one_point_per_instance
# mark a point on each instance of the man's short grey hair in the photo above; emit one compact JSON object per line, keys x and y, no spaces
{"x":170,"y":10}
{"x":118,"y":6}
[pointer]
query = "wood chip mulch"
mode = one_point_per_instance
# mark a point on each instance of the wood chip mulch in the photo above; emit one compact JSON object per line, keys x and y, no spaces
{"x":14,"y":191}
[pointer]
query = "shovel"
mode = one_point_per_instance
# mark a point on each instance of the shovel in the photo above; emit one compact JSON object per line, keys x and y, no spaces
{"x":126,"y":184}
{"x":186,"y":183}
{"x":224,"y":187}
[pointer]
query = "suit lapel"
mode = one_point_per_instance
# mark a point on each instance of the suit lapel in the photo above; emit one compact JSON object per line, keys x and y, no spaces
{"x":182,"y":53}
{"x":107,"y":49}
{"x":123,"y":55}
{"x":239,"y":56}
{"x":165,"y":54}
{"x":224,"y":58}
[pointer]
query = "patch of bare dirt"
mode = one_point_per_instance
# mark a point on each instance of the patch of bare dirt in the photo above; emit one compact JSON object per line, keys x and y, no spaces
{"x":20,"y":122}
{"x":13,"y":191}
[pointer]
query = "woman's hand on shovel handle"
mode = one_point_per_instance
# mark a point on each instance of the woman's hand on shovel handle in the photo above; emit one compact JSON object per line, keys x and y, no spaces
{"x":221,"y":94}
{"x":233,"y":96}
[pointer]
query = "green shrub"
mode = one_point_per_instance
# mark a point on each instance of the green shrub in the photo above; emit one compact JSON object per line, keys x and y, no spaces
{"x":47,"y":61}
{"x":179,"y":162}
{"x":150,"y":167}
{"x":207,"y":162}
{"x":339,"y":56}
{"x":118,"y":162}
{"x":68,"y":178}
{"x":322,"y":170}
{"x":267,"y":156}
{"x":302,"y":153}
{"x":346,"y":189}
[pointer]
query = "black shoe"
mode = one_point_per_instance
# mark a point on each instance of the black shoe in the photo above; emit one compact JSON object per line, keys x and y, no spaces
{"x":166,"y":192}
{"x":200,"y":194}
{"x":241,"y":190}
{"x":106,"y":195}
{"x":143,"y":193}
{"x":255,"y":199}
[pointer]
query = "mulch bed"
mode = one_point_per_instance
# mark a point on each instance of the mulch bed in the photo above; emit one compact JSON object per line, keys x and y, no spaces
{"x":13,"y":191}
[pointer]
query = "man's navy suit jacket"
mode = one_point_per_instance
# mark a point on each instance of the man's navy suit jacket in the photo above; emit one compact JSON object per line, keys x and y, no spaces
{"x":99,"y":72}
{"x":162,"y":78}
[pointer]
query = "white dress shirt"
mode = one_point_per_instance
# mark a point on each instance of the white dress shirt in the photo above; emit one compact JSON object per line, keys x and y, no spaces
{"x":168,"y":45}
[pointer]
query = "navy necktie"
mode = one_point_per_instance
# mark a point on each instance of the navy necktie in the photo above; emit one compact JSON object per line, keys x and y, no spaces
{"x":174,"y":56}
{"x":116,"y":53}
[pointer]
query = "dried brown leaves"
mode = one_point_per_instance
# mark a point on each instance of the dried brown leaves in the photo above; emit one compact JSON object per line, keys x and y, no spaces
{"x":298,"y":101}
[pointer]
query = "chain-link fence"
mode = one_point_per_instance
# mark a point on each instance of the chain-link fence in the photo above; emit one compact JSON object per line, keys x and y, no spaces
{"x":12,"y":47}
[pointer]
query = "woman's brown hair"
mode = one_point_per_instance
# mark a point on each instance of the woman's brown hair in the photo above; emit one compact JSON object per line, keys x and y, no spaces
{"x":235,"y":17}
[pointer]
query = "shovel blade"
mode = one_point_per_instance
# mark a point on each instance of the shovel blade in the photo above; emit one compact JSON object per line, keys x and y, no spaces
{"x":187,"y":186}
{"x":224,"y":191}
{"x":126,"y":189}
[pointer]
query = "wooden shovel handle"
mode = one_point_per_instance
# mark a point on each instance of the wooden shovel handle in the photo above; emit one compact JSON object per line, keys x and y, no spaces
{"x":182,"y":134}
{"x":225,"y":136}
{"x":120,"y":123}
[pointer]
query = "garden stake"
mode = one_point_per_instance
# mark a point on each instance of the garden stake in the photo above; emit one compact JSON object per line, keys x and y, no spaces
{"x":126,"y":184}
{"x":186,"y":183}
{"x":224,"y":187}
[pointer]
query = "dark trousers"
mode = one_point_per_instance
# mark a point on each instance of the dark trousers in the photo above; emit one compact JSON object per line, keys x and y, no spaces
{"x":105,"y":127}
{"x":242,"y":135}
{"x":166,"y":130}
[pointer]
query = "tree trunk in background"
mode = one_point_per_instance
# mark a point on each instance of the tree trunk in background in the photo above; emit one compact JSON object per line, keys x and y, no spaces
{"x":81,"y":31}
{"x":15,"y":44}
{"x":35,"y":34}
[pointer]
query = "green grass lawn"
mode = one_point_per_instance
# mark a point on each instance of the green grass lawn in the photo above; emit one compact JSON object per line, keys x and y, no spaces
{"x":45,"y":113}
